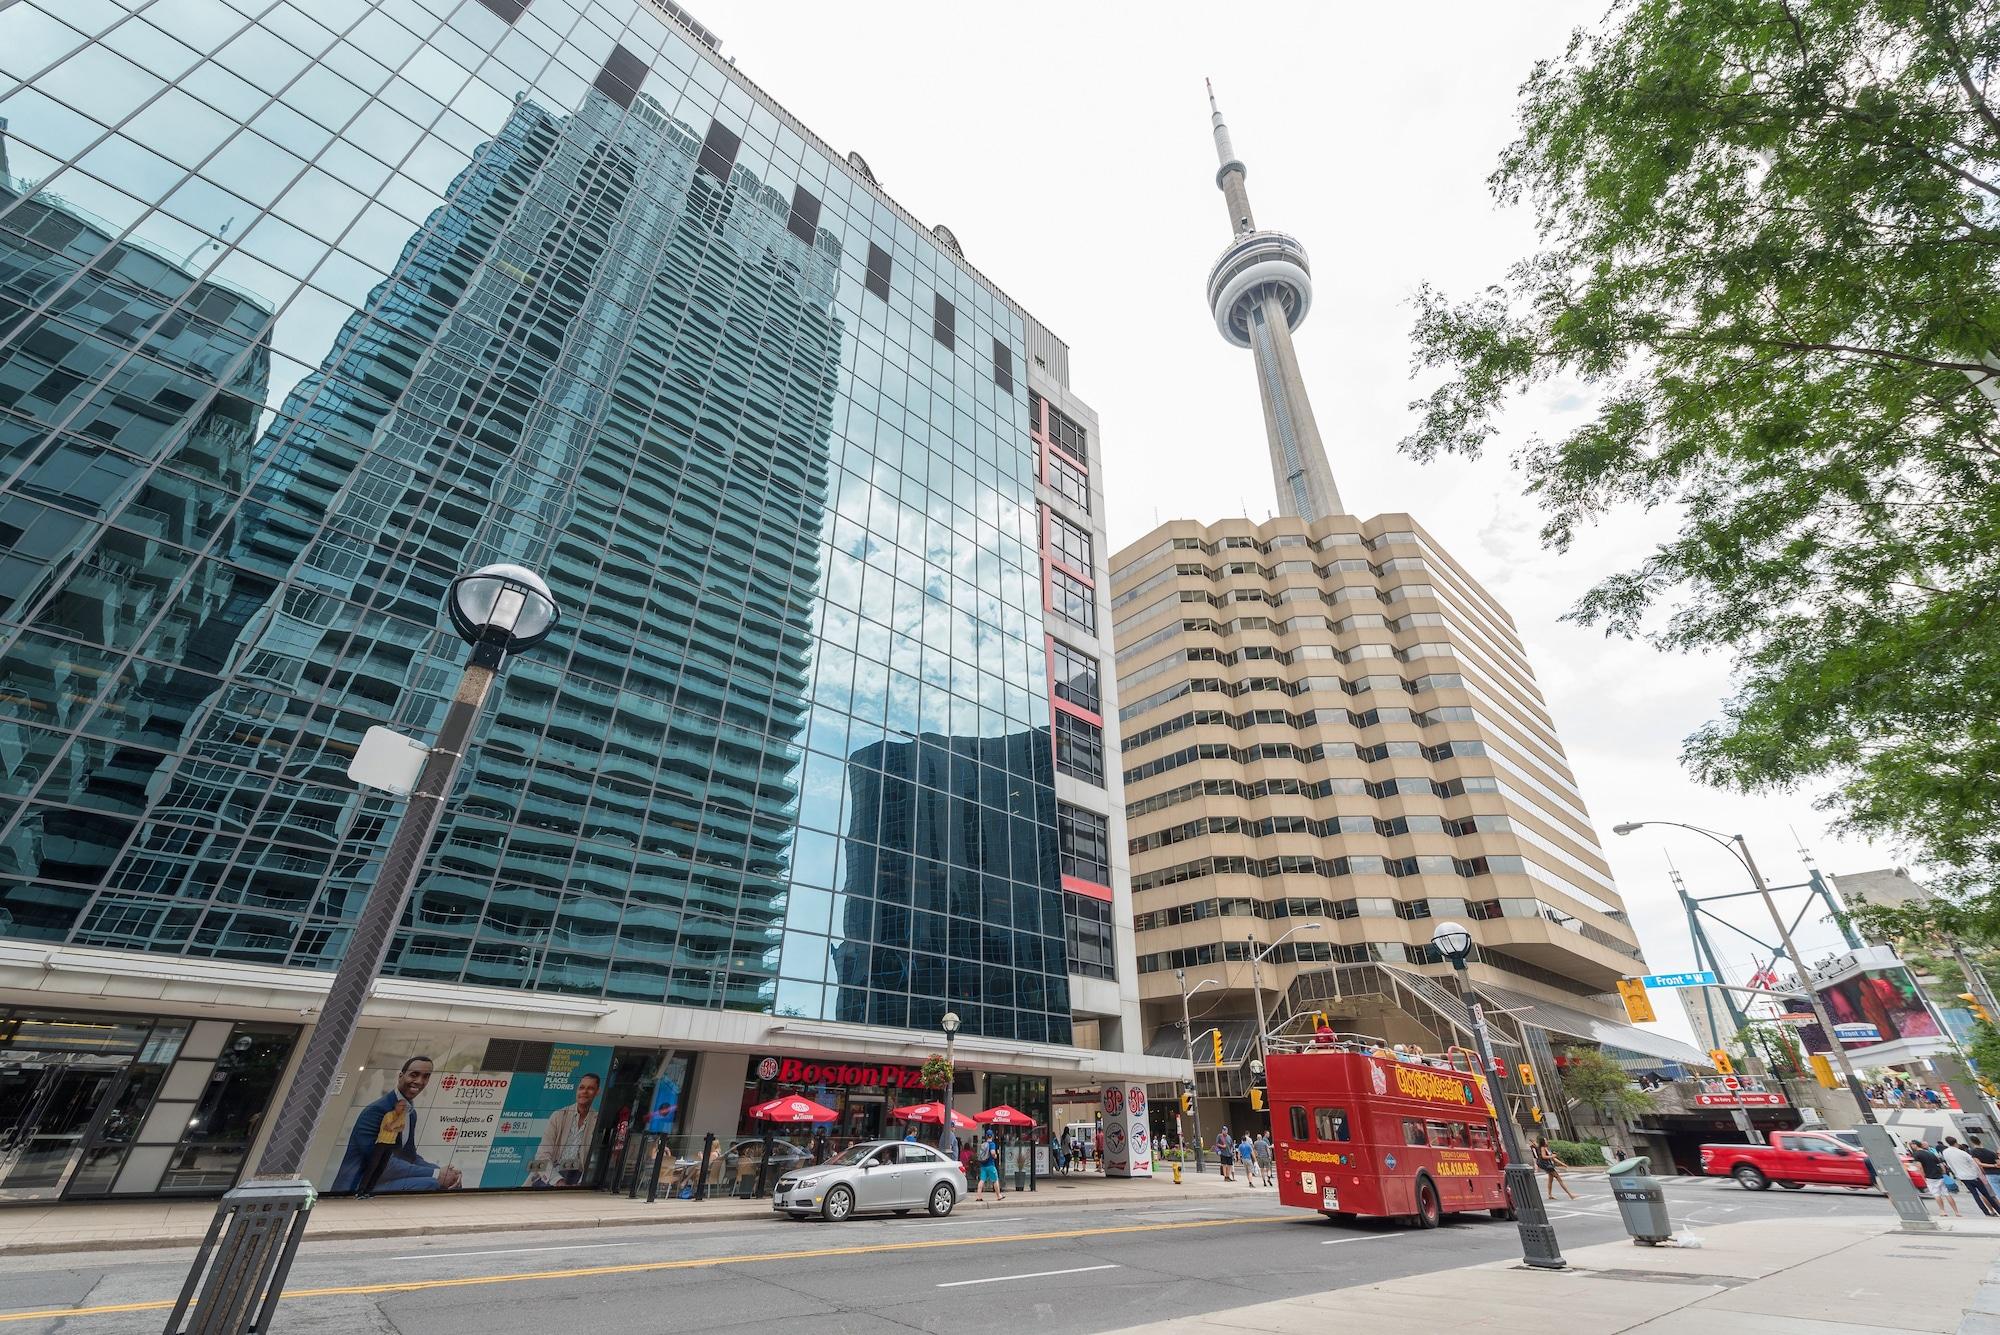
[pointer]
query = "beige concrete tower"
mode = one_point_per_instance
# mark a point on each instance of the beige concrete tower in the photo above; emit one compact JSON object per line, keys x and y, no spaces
{"x":1260,"y":290}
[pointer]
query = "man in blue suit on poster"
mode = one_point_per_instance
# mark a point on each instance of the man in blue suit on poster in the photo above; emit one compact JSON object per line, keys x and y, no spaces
{"x":405,"y":1169}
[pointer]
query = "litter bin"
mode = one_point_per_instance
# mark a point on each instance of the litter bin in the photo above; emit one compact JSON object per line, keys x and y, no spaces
{"x":1642,"y":1203}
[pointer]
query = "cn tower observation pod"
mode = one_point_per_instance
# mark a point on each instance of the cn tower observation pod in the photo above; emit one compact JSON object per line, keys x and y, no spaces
{"x":1258,"y":265}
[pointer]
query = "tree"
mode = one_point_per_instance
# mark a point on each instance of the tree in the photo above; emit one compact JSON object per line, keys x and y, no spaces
{"x":1594,"y":1080}
{"x":1770,"y":243}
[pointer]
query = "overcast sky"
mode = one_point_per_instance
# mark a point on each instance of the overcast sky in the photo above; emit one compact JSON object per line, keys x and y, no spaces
{"x":1067,"y":145}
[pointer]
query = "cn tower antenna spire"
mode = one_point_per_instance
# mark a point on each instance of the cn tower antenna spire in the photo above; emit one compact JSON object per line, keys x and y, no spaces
{"x":1260,"y":291}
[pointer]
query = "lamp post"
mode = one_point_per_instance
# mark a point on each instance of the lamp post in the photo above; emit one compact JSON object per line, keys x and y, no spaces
{"x":499,"y":610}
{"x":1257,"y":978}
{"x":1538,"y":1236}
{"x":1881,"y":1150}
{"x":1187,"y":1032}
{"x":947,"y":1133}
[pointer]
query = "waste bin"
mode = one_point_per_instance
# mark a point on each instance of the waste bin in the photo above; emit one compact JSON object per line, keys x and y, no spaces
{"x":1642,"y":1202}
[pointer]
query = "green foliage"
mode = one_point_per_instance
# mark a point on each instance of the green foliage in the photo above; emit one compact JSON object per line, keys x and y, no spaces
{"x":1594,"y":1080}
{"x":1770,"y":240}
{"x":1776,"y":1045}
{"x":1579,"y":1153}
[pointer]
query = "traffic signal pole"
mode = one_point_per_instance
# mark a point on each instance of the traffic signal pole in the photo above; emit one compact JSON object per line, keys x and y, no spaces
{"x":1194,"y":1100}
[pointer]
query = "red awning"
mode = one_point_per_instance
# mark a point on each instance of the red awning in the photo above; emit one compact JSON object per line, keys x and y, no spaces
{"x":1004,"y":1116}
{"x":792,"y":1109}
{"x":931,"y":1113}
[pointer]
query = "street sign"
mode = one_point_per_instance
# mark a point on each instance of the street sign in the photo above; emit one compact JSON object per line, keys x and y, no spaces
{"x":387,"y":760}
{"x":1742,"y":1099}
{"x":1857,"y":1033}
{"x":1694,"y":978}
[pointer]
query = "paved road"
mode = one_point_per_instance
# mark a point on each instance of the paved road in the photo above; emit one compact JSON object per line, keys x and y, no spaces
{"x":1061,"y":1270}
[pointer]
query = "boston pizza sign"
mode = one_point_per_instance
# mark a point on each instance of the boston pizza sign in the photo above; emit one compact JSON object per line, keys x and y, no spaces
{"x":838,"y":1074}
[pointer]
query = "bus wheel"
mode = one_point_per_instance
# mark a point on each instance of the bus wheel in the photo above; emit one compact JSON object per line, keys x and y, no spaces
{"x":1502,"y":1212}
{"x":1339,"y":1216}
{"x":1429,"y":1212}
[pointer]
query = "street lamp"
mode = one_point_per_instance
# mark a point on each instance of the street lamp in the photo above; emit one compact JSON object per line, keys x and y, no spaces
{"x":1257,"y":978}
{"x":947,"y":1133}
{"x":1538,"y":1235}
{"x":498,"y":610}
{"x":1881,"y":1149}
{"x":1187,"y":1032}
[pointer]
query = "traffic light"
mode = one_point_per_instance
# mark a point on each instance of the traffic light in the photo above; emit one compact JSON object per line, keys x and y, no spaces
{"x":1184,"y":1103}
{"x":1722,"y":1062}
{"x":1638,"y":1006}
{"x":1215,"y":1037}
{"x":1535,"y":1112}
{"x":1822,"y":1070}
{"x":1972,"y":1004}
{"x":1256,"y":1099}
{"x":1527,"y":1074}
{"x":1319,"y":1020}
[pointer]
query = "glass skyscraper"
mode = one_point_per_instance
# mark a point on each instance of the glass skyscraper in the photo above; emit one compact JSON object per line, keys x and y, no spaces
{"x":304,"y":310}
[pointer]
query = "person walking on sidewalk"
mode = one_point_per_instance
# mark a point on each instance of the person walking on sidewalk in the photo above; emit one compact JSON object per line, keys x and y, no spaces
{"x":1935,"y":1176}
{"x":1246,"y":1154}
{"x":1546,"y":1161}
{"x":1225,"y":1154}
{"x":989,"y":1168}
{"x":1989,"y":1162}
{"x":1264,"y":1173}
{"x":1969,"y":1172}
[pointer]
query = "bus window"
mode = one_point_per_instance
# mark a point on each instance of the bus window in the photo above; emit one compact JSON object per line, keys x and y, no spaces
{"x":1413,"y":1132}
{"x":1299,"y":1131}
{"x":1447,"y":1135}
{"x":1480,"y":1136}
{"x":1332,"y":1123}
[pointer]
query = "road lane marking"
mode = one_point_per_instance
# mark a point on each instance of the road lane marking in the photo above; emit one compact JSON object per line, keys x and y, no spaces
{"x":1368,"y":1237}
{"x":512,"y":1251}
{"x":1039,"y":1274}
{"x":645,"y":1267}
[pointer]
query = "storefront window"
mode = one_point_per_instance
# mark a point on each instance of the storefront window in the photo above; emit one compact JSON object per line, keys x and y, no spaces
{"x":212,"y":1152}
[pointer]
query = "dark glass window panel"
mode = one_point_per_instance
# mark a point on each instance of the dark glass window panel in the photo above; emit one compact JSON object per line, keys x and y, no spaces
{"x":1069,"y":482}
{"x":878,"y":271}
{"x":1079,"y":748}
{"x":1075,"y":678}
{"x":1069,"y":434}
{"x":619,"y":80}
{"x":1070,"y":544}
{"x":944,"y":321}
{"x":508,"y":10}
{"x":1003,"y":367}
{"x":1071,"y":598}
{"x":803,"y":221}
{"x":718,"y":151}
{"x":1082,"y":837}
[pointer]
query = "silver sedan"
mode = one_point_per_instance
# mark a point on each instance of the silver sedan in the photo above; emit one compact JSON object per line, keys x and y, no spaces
{"x":894,"y":1175}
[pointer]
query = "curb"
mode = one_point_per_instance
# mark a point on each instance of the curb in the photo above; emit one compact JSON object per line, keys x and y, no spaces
{"x":665,"y":1218}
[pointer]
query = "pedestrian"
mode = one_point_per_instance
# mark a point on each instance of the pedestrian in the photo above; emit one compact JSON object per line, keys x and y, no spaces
{"x":1264,"y":1159}
{"x":1968,"y":1171}
{"x":1936,"y":1176}
{"x":1225,"y":1154}
{"x":393,"y":1122}
{"x":989,"y":1167}
{"x":1989,"y":1162}
{"x":1246,"y":1154}
{"x":1546,"y":1161}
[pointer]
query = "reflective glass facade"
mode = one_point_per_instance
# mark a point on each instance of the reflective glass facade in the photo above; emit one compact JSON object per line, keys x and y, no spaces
{"x":306,"y":308}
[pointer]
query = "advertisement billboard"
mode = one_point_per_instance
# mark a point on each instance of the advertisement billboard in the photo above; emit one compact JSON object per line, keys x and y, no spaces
{"x":1870,"y":1007}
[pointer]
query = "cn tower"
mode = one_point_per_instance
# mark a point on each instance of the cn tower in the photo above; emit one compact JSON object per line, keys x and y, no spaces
{"x":1260,"y":290}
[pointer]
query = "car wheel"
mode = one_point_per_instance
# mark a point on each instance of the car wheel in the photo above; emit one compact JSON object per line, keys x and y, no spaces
{"x":1429,"y":1213}
{"x":943,"y":1198}
{"x":838,"y":1205}
{"x":1751,"y":1178}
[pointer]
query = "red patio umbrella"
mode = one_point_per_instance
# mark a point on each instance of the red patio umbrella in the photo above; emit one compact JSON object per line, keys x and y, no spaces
{"x":1004,"y":1116}
{"x":932,"y":1114}
{"x":792,"y":1109}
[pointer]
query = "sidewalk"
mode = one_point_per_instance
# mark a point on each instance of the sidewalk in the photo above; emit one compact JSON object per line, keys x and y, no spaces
{"x":1841,"y":1276}
{"x":64,"y":1227}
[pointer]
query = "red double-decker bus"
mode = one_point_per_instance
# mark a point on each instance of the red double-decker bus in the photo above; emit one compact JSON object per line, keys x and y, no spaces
{"x":1360,"y":1129}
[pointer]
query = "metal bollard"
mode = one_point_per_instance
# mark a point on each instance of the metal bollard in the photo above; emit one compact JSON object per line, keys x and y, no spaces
{"x":701,"y":1175}
{"x":660,"y":1151}
{"x":638,"y":1168}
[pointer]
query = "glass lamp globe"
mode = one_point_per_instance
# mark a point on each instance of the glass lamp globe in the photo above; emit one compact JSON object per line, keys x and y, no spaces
{"x":502,"y":601}
{"x":1452,"y":941}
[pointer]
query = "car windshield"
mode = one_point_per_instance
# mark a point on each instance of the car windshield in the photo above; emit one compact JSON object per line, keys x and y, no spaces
{"x":851,"y":1156}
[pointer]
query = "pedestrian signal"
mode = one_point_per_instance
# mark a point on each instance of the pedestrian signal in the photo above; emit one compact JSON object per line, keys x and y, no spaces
{"x":1256,"y":1100}
{"x":1823,"y":1071}
{"x":1535,"y":1113}
{"x":1527,"y":1074}
{"x":1215,"y":1036}
{"x":1184,"y":1102}
{"x":1722,"y":1062}
{"x":1638,"y":1006}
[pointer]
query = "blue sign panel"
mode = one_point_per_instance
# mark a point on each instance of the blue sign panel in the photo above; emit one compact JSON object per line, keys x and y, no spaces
{"x":1698,"y":978}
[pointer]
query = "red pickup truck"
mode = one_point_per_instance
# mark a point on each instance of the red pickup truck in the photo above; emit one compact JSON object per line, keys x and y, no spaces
{"x":1794,"y":1159}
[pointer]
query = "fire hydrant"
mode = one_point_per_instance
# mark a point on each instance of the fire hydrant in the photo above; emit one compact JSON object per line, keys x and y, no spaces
{"x":1177,"y":1172}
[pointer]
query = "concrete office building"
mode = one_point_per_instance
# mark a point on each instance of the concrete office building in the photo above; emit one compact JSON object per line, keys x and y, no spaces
{"x":1331,"y":738}
{"x":305,"y":310}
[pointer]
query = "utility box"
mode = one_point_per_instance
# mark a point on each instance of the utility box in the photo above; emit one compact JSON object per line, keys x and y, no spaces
{"x":1642,"y":1202}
